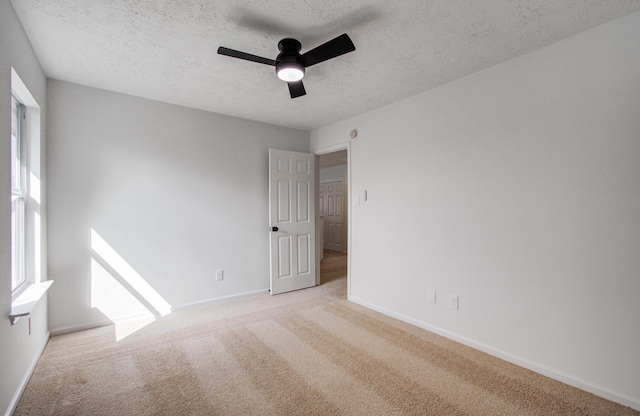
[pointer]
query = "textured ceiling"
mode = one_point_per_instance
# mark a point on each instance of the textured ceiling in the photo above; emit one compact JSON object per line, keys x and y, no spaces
{"x":166,"y":49}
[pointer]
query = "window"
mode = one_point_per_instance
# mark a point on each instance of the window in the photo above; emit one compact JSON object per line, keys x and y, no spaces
{"x":18,"y":194}
{"x":28,"y":276}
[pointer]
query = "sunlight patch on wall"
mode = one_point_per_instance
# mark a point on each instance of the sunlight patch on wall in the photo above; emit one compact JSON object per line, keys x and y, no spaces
{"x":117,"y":303}
{"x":37,"y":247}
{"x":35,"y":193}
{"x":34,"y":187}
{"x":120,"y":292}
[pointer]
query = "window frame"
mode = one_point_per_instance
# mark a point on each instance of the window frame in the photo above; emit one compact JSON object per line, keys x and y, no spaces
{"x":19,"y":192}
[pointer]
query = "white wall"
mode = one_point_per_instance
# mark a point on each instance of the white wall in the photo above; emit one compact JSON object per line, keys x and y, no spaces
{"x":19,"y":351}
{"x":177,"y":193}
{"x":517,"y":189}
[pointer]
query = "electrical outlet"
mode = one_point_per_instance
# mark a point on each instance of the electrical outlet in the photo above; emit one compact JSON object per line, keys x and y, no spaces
{"x":219,"y":275}
{"x":431,"y":296}
{"x":453,"y":301}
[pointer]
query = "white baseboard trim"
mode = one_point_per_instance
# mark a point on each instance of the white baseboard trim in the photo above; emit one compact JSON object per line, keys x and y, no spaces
{"x":83,"y":327}
{"x":107,"y":322}
{"x":25,"y":379}
{"x":604,"y":392}
{"x":217,"y":300}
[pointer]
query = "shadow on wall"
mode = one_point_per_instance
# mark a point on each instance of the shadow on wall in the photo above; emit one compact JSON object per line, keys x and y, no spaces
{"x":120,"y":292}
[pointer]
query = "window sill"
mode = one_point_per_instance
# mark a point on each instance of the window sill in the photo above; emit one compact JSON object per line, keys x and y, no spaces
{"x":26,"y":302}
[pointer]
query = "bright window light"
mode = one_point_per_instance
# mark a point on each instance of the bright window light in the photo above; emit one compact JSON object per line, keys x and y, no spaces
{"x":120,"y":292}
{"x":129,"y":274}
{"x":18,"y":194}
{"x":117,"y":303}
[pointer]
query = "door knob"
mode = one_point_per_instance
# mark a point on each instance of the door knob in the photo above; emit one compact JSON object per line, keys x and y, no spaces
{"x":274,"y":229}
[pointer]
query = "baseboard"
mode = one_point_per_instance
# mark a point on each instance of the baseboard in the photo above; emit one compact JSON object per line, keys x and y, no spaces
{"x":217,"y":300}
{"x":83,"y":327}
{"x":614,"y":396}
{"x":25,"y":379}
{"x":106,"y":322}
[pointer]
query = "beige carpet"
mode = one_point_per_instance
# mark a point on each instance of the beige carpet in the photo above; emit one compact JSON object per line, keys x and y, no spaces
{"x":309,"y":352}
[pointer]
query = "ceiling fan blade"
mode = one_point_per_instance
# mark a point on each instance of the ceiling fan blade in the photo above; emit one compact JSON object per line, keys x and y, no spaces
{"x":246,"y":56}
{"x":296,"y":89}
{"x":335,"y":47}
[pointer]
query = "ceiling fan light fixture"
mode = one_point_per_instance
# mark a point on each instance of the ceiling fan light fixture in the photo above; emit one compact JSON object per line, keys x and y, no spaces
{"x":290,"y":72}
{"x":290,"y":65}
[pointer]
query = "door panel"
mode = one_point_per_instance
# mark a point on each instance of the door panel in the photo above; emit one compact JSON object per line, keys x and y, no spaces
{"x":304,"y":201}
{"x":321,"y":198}
{"x":292,"y":211}
{"x":333,"y":199}
{"x":304,"y":254}
{"x":284,"y":256}
{"x":284,"y":201}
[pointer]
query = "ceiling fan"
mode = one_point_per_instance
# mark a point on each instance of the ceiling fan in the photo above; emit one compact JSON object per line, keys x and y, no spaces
{"x":290,"y":64}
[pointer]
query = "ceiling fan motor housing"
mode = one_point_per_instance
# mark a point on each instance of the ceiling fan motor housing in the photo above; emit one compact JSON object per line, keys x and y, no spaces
{"x":289,"y":57}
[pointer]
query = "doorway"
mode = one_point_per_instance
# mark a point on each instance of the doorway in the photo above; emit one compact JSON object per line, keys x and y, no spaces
{"x":333,"y":214}
{"x":333,"y":211}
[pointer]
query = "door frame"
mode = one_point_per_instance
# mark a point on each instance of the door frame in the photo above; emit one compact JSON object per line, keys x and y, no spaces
{"x":322,"y":151}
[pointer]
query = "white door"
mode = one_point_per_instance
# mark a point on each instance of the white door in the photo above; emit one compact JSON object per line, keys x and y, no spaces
{"x":292,"y":216}
{"x":335,"y":230}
